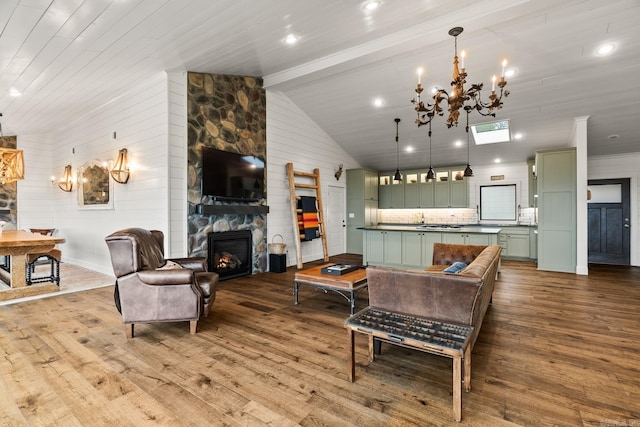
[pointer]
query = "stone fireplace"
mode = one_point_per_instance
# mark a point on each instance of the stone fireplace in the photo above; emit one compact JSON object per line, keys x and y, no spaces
{"x":228,"y":113}
{"x":230,"y":253}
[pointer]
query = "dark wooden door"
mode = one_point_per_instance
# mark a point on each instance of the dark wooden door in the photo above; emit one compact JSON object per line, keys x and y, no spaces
{"x":609,"y":225}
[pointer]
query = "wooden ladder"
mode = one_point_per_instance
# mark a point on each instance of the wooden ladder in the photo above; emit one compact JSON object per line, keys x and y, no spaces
{"x":314,"y":179}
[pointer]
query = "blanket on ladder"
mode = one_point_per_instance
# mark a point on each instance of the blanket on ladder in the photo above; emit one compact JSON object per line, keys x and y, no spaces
{"x":308,"y":218}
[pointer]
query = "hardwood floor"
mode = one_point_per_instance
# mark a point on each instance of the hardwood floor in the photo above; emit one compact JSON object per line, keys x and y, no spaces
{"x":555,"y":349}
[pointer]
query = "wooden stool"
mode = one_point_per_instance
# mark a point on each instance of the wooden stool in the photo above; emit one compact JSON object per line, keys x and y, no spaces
{"x":51,"y":257}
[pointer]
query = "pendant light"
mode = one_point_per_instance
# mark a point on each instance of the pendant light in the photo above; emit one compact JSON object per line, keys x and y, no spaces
{"x":430,"y":174}
{"x":467,"y":171}
{"x":397,"y":176}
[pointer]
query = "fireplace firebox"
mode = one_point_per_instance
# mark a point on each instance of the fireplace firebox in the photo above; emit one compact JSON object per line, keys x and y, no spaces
{"x":230,"y":253}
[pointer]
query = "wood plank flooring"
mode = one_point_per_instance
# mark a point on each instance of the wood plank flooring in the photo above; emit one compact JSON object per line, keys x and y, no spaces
{"x":555,"y":349}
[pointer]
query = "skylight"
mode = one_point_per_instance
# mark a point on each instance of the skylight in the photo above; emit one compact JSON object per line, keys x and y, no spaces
{"x":491,"y":133}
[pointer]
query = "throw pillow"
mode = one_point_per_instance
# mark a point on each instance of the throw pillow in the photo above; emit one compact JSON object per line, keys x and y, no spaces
{"x":170,"y":265}
{"x":456,"y":267}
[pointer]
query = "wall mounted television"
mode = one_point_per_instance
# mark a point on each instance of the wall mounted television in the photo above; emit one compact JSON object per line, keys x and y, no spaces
{"x":232,"y":176}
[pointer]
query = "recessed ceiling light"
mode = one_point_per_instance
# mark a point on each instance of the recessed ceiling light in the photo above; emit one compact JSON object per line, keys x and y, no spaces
{"x":614,"y":136}
{"x":605,"y":49}
{"x":377,"y":102}
{"x":458,"y":143}
{"x":433,"y":90}
{"x":291,"y":39}
{"x":371,"y":5}
{"x":497,"y":160}
{"x":409,"y":149}
{"x":517,"y":135}
{"x":511,"y":72}
{"x":14,"y":92}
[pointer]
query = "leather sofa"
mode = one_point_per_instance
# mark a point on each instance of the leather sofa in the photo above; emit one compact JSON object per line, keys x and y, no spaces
{"x":461,"y":298}
{"x":150,"y":288}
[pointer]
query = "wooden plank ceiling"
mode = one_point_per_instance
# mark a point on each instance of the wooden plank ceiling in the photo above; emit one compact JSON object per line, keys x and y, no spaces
{"x":70,"y":57}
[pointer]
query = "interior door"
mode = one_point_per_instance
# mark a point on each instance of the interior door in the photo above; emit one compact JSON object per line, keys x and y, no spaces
{"x":608,"y":219}
{"x":336,"y":221}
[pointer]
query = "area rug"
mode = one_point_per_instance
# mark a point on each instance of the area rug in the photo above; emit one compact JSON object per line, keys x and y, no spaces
{"x":72,"y":279}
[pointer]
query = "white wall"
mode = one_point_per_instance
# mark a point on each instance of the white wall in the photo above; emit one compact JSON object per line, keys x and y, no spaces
{"x":139,"y":119}
{"x":293,"y":137}
{"x":36,"y":193}
{"x":176,"y":245}
{"x":622,"y":166}
{"x":514,"y":173}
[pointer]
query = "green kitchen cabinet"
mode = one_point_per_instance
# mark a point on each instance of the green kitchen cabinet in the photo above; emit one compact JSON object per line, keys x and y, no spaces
{"x":557,"y":207}
{"x":468,"y":238}
{"x":362,"y":205}
{"x":451,"y":189}
{"x":390,"y":192}
{"x":383,"y":247}
{"x":417,"y":248}
{"x":515,"y":242}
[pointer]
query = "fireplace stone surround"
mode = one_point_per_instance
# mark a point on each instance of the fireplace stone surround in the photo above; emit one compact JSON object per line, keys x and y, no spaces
{"x":209,"y":218}
{"x":228,"y":113}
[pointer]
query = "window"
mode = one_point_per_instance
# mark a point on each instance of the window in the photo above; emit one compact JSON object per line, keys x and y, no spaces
{"x":491,"y":133}
{"x":498,"y":202}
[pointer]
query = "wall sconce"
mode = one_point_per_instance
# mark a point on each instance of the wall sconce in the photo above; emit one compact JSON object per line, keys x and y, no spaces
{"x":120,"y":171}
{"x":66,"y":182}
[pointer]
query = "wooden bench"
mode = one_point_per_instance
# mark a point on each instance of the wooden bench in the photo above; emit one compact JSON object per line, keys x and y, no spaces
{"x":431,"y":336}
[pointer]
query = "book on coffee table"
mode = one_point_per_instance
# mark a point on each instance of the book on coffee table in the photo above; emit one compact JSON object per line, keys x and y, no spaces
{"x":339,"y":269}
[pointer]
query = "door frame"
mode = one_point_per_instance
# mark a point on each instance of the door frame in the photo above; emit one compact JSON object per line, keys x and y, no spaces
{"x":626,"y":208}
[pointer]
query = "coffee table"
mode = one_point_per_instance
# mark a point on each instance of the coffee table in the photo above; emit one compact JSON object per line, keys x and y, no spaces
{"x":346,"y":285}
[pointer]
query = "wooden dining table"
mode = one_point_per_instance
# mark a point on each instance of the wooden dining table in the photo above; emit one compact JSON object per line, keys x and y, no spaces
{"x":17,"y":244}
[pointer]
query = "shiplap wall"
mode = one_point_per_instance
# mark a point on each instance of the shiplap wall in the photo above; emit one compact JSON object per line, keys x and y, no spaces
{"x":139,"y":119}
{"x":293,"y":137}
{"x":36,"y":192}
{"x":177,"y":93}
{"x":622,"y":166}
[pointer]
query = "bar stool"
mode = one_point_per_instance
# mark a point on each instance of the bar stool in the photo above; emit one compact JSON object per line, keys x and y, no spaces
{"x":51,"y":257}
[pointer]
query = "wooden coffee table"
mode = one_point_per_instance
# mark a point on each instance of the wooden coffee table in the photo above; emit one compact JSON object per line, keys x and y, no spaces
{"x":346,"y":285}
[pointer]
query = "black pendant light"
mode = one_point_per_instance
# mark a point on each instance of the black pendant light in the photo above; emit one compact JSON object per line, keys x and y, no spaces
{"x":430,"y":174}
{"x":397,"y":176}
{"x":467,"y":171}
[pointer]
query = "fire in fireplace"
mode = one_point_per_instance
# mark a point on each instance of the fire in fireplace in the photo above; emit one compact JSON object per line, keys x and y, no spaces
{"x":230,"y":253}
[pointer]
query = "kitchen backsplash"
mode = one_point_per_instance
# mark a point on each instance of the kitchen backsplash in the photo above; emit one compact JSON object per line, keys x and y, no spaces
{"x":443,"y":216}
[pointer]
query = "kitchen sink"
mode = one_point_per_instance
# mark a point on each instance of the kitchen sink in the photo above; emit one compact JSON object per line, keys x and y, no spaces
{"x":438,"y":226}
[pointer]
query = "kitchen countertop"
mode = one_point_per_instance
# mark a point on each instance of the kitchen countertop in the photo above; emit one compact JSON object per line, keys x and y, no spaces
{"x":435,"y":228}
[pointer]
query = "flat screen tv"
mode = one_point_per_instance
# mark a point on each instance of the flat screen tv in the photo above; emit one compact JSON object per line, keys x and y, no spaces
{"x":232,"y":176}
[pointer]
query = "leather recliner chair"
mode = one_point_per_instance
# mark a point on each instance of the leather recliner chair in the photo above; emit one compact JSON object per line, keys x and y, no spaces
{"x":152,"y":289}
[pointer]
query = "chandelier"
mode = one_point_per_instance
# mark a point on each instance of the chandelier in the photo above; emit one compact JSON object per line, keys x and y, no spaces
{"x":459,"y":98}
{"x":11,"y":163}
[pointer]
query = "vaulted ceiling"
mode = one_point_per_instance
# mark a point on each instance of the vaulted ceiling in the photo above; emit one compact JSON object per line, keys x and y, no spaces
{"x":69,"y":57}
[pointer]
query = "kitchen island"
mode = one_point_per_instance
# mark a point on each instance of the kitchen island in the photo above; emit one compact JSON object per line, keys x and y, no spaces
{"x":411,"y":246}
